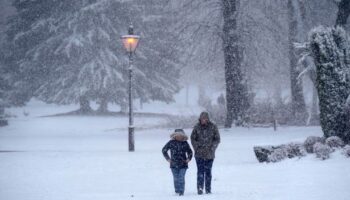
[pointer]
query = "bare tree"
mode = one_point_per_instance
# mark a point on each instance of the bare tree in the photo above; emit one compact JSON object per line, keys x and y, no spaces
{"x":298,"y":103}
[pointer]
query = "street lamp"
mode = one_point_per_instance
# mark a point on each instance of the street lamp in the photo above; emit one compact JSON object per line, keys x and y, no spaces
{"x":130,"y":42}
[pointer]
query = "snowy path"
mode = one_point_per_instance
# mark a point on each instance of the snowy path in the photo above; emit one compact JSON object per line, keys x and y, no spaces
{"x":72,"y":158}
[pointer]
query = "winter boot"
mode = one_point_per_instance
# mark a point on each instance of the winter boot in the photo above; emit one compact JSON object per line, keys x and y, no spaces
{"x":200,"y":191}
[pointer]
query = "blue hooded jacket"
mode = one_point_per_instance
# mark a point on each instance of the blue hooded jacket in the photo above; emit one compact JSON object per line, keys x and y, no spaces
{"x":180,"y":150}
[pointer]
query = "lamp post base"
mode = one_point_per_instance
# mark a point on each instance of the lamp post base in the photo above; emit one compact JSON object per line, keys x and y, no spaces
{"x":131,"y":139}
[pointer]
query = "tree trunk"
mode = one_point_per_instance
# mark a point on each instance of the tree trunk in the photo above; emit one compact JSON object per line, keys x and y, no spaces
{"x":103,"y":108}
{"x":187,"y":91}
{"x":343,"y":13}
{"x":141,"y":104}
{"x":201,"y":96}
{"x":315,"y":118}
{"x":3,"y":121}
{"x":2,"y":111}
{"x":236,"y":89}
{"x":277,"y":95}
{"x":124,"y":107}
{"x":84,"y":105}
{"x":203,"y":100}
{"x":298,"y":104}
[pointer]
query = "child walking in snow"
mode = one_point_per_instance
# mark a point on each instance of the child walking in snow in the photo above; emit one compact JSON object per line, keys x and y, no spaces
{"x":180,"y":156}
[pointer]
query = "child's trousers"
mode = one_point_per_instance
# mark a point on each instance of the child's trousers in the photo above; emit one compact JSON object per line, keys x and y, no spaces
{"x":179,"y":179}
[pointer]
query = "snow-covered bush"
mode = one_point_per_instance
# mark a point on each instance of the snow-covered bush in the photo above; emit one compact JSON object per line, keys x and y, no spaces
{"x":294,"y":150}
{"x":277,"y":155}
{"x":334,"y":142}
{"x":311,"y":141}
{"x":346,"y":151}
{"x":322,"y":151}
{"x":280,"y":152}
{"x":262,"y":152}
{"x":290,"y":150}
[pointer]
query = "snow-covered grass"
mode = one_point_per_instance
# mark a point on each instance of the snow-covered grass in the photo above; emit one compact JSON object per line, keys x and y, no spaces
{"x":83,"y":158}
{"x":37,"y":108}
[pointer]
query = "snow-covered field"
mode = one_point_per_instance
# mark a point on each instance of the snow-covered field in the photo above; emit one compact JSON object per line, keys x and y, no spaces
{"x":83,"y":158}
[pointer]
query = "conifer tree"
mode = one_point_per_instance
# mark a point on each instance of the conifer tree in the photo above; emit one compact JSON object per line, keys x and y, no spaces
{"x":70,"y":52}
{"x":330,"y":50}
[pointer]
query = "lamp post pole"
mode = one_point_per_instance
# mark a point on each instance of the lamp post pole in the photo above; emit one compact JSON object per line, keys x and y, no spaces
{"x":130,"y":43}
{"x":131,"y":110}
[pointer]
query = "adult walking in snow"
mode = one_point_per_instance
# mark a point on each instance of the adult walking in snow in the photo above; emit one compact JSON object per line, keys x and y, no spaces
{"x":205,"y":138}
{"x":180,"y":156}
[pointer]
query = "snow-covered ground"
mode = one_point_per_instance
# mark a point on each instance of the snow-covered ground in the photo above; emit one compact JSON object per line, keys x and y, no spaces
{"x":83,"y":158}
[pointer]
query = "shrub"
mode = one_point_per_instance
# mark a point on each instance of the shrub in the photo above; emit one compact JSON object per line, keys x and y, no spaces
{"x":262,"y":152}
{"x":346,"y":151}
{"x":335,"y":142}
{"x":294,"y":150}
{"x":322,"y":151}
{"x":277,"y":155}
{"x":310,"y":142}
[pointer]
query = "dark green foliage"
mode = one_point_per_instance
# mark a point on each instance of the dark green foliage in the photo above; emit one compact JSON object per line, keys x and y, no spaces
{"x":26,"y":30}
{"x":343,"y":12}
{"x":330,"y":50}
{"x":62,"y":51}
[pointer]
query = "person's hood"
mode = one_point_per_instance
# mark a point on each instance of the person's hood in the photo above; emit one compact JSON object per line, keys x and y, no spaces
{"x":182,"y":136}
{"x":204,"y":115}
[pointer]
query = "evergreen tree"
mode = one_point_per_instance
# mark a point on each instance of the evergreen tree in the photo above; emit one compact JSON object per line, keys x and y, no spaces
{"x":8,"y":92}
{"x":330,"y":48}
{"x":70,"y":51}
{"x":34,"y":22}
{"x":87,"y":61}
{"x":343,"y":12}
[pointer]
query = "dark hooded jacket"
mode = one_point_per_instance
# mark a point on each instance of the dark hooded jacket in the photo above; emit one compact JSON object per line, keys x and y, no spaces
{"x":180,"y":151}
{"x":205,"y":139}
